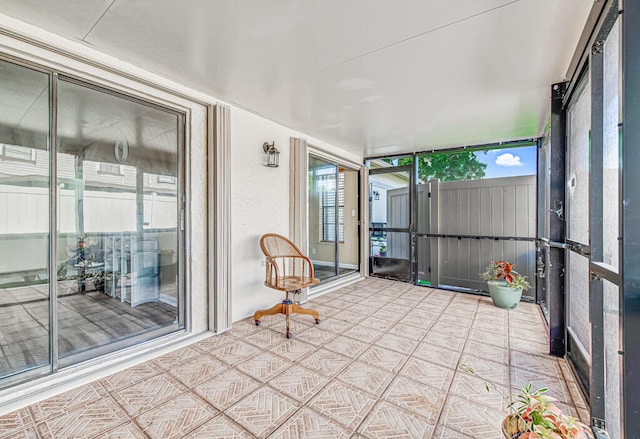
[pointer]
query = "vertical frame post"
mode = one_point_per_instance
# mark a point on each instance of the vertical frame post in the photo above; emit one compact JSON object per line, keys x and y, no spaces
{"x":555,"y":256}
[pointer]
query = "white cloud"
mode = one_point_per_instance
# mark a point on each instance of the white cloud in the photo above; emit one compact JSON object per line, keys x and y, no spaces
{"x":508,"y":160}
{"x":494,"y":151}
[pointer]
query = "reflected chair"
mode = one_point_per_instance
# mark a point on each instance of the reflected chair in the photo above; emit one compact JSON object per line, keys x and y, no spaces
{"x":287,"y":270}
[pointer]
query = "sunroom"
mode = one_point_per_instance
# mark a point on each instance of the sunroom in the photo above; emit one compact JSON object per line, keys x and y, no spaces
{"x":146,"y":146}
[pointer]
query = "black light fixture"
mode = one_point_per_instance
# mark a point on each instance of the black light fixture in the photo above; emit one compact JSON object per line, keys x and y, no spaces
{"x":273,"y":155}
{"x":376,"y":195}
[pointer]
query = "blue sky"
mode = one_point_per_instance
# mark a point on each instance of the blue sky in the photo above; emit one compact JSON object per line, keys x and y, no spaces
{"x":509,"y":162}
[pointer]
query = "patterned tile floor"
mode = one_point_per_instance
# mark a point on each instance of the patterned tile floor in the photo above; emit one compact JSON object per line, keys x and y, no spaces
{"x":386,"y":361}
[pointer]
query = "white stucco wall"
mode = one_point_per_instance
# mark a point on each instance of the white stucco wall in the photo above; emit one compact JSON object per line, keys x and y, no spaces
{"x":260,"y":204}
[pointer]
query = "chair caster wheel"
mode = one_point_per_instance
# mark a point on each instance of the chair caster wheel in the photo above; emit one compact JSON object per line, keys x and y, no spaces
{"x":289,"y":335}
{"x":317,"y":321}
{"x":257,"y":322}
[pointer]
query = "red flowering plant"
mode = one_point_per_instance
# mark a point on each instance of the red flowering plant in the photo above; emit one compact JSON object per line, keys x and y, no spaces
{"x":503,"y":271}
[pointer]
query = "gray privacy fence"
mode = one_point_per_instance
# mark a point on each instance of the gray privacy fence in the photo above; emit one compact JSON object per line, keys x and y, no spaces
{"x":462,"y":226}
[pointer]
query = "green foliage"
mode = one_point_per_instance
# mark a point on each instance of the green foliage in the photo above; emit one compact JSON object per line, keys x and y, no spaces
{"x":447,"y":166}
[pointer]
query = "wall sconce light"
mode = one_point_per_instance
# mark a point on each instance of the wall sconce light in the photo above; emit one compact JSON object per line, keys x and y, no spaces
{"x":273,"y":155}
{"x":376,"y":195}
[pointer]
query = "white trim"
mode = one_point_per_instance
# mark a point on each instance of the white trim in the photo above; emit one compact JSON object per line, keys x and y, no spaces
{"x":340,"y":282}
{"x":329,"y":264}
{"x":31,"y":392}
{"x":219,"y":221}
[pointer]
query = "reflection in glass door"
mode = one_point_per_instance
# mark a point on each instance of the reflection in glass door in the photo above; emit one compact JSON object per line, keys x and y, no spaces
{"x":117,"y":240}
{"x":334,"y":239}
{"x":24,"y":220}
{"x":390,"y":217}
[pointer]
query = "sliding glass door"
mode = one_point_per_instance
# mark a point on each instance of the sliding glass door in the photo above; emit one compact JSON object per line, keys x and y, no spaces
{"x":117,"y":240}
{"x":24,"y":220}
{"x":91,"y":195}
{"x":334,"y":241}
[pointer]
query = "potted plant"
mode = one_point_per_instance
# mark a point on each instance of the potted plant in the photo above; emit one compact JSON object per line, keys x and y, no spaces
{"x":383,"y":249}
{"x":536,"y":417}
{"x":505,"y":284}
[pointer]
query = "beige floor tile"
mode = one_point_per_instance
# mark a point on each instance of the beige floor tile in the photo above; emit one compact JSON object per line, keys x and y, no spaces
{"x":349,"y":316}
{"x":198,"y":370}
{"x":292,"y":349}
{"x":384,"y":358}
{"x":415,"y":397}
{"x":389,"y":421}
{"x":471,"y":419}
{"x":545,"y":365}
{"x":234,"y":353}
{"x":14,"y":422}
{"x":125,"y":431}
{"x":346,"y":346}
{"x":345,"y":405}
{"x":486,"y":351}
{"x":408,"y":331}
{"x":177,"y":357}
{"x":502,"y":341}
{"x":264,"y":366}
{"x":377,"y":323}
{"x":86,"y":420}
{"x":315,"y":335}
{"x":557,"y":388}
{"x":437,"y":354}
{"x":227,"y":388}
{"x":148,"y":393}
{"x":481,"y":391}
{"x":427,"y":373}
{"x":262,"y":411}
{"x":28,"y":433}
{"x":220,"y":427}
{"x":131,"y":376}
{"x":367,"y":377}
{"x":335,"y":325}
{"x":453,"y":340}
{"x":214,"y":342}
{"x":67,"y":401}
{"x":299,"y":383}
{"x":364,"y":333}
{"x":442,"y":432}
{"x":307,"y":423}
{"x":397,"y":343}
{"x":355,"y":375}
{"x":176,"y":417}
{"x":266,"y":338}
{"x":497,"y":373}
{"x":326,"y":362}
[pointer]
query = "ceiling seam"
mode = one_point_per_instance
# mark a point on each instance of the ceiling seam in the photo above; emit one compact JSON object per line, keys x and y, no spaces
{"x":404,"y":40}
{"x":98,"y":20}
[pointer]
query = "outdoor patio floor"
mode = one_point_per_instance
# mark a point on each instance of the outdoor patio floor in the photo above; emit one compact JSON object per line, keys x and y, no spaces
{"x":386,"y":361}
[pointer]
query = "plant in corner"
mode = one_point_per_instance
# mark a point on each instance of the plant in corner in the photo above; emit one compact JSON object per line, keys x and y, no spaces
{"x":505,"y":284}
{"x":535,"y":416}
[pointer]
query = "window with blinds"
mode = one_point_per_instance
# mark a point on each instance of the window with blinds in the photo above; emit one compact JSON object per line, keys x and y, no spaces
{"x":327,"y":183}
{"x":17,"y":152}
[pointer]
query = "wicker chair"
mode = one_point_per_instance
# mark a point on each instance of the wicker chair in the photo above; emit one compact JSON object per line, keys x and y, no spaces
{"x":288,"y":270}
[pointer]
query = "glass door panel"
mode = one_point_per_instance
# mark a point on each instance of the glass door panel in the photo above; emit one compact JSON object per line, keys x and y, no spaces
{"x":24,"y":220}
{"x":390,"y":216}
{"x":324,"y":228}
{"x":117,"y":174}
{"x":334,"y":229}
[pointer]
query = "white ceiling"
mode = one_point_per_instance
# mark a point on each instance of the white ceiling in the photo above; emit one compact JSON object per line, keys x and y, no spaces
{"x":371,"y":77}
